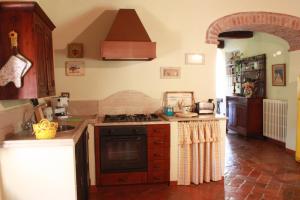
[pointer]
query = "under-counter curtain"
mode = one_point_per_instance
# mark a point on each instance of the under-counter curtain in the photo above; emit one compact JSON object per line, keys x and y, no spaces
{"x":201,"y":152}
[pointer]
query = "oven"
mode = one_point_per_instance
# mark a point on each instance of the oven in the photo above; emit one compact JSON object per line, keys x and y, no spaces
{"x":123,"y":149}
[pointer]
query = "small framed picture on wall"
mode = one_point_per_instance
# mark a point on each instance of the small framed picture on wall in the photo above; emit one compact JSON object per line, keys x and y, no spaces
{"x":74,"y":68}
{"x":75,"y":50}
{"x":170,"y":73}
{"x":278,"y":75}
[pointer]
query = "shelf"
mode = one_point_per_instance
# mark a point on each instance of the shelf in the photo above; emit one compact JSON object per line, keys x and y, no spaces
{"x":252,"y":70}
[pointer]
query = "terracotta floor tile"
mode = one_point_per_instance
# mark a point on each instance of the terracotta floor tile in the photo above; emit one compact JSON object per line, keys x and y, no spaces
{"x":254,"y":169}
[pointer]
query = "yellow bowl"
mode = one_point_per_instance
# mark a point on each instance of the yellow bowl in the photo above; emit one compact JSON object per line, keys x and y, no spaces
{"x":45,"y":129}
{"x":45,"y":134}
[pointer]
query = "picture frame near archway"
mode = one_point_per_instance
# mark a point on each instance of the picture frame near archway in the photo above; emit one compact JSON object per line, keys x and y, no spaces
{"x":278,"y":75}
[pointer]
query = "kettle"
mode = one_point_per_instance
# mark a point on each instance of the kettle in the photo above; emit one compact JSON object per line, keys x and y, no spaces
{"x":203,"y":107}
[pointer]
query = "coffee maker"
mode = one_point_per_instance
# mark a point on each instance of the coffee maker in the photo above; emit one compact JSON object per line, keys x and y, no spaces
{"x":60,"y":106}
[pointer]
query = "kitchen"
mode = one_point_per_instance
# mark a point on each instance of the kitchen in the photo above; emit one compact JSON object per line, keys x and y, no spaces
{"x":176,"y":33}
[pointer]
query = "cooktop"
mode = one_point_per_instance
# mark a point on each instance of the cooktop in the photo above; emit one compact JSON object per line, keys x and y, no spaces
{"x":131,"y":118}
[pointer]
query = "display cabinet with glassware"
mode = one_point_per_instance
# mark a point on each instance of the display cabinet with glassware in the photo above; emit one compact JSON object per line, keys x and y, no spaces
{"x":244,"y":107}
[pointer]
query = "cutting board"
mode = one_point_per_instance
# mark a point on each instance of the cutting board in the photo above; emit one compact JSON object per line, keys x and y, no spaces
{"x":186,"y":115}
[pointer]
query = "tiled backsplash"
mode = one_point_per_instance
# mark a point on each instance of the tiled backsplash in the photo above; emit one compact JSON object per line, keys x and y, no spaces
{"x":12,"y":118}
{"x":127,"y":101}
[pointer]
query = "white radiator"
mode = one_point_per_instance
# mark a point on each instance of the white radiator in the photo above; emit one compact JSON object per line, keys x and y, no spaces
{"x":275,"y":119}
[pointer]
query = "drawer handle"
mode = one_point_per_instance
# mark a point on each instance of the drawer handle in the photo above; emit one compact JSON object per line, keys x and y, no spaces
{"x":157,"y":178}
{"x":158,"y":142}
{"x":156,"y":155}
{"x":156,"y":167}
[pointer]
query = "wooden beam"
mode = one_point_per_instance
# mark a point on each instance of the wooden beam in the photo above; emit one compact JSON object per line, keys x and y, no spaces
{"x":221,"y":44}
{"x":236,"y":34}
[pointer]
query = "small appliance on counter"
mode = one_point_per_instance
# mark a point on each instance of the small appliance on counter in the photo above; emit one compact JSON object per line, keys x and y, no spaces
{"x":203,"y":107}
{"x":59,"y":106}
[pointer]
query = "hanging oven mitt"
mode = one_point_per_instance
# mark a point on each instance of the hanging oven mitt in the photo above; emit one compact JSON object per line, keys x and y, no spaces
{"x":16,"y":66}
{"x":14,"y":45}
{"x":12,"y":71}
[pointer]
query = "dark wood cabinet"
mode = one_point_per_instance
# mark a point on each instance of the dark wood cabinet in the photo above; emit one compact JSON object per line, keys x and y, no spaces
{"x":34,"y":30}
{"x":82,"y":166}
{"x":158,"y":153}
{"x":245,"y":115}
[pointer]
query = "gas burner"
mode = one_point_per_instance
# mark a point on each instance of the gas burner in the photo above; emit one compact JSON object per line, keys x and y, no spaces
{"x":131,"y":118}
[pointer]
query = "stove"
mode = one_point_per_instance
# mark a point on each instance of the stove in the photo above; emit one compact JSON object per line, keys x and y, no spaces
{"x":131,"y":118}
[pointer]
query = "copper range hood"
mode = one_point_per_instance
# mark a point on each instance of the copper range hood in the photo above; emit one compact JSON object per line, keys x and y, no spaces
{"x":127,"y":39}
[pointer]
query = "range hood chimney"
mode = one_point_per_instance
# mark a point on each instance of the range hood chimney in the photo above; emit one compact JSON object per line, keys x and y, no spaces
{"x":127,"y":39}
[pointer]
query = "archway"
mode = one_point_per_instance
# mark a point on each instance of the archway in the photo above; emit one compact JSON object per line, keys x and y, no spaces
{"x":285,"y":26}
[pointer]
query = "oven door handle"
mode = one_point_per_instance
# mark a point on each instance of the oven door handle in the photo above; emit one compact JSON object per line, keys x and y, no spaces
{"x":122,"y":138}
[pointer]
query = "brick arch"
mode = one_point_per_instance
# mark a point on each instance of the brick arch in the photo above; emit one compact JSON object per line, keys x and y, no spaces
{"x":284,"y":26}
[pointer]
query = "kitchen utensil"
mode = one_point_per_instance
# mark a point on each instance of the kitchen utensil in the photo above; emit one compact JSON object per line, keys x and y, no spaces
{"x":16,"y":66}
{"x":38,"y":111}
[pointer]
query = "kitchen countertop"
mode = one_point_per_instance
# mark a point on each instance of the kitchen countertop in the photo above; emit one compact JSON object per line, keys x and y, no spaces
{"x":205,"y":117}
{"x":26,"y":138}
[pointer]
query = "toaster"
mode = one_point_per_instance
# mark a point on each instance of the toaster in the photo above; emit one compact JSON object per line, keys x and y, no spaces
{"x":205,"y":107}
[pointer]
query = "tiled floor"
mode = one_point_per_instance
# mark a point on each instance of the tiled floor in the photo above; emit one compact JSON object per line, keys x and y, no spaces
{"x":255,"y":169}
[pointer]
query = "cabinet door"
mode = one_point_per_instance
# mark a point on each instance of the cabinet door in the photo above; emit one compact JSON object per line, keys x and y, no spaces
{"x":44,"y":51}
{"x":41,"y":61}
{"x":82,"y":167}
{"x":232,"y":114}
{"x":49,"y":63}
{"x":241,"y":112}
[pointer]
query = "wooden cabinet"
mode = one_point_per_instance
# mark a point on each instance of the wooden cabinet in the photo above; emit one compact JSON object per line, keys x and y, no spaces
{"x":34,"y":30}
{"x":158,"y":153}
{"x":245,"y":115}
{"x":82,"y":166}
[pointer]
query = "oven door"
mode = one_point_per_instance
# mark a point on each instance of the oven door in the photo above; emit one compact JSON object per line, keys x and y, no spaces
{"x":123,"y":151}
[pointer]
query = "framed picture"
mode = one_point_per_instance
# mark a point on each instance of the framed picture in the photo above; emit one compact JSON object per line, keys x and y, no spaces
{"x":174,"y":98}
{"x":75,"y":50}
{"x":170,"y":72}
{"x":278,"y":75}
{"x":75,"y":68}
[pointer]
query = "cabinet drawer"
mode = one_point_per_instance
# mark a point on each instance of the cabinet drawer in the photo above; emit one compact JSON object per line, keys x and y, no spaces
{"x":158,"y":165}
{"x":157,"y":142}
{"x":124,"y":178}
{"x":159,"y":153}
{"x":158,"y":177}
{"x":162,"y":130}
